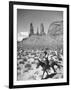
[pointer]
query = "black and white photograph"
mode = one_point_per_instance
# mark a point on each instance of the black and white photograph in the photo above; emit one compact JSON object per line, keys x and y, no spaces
{"x":39,"y":44}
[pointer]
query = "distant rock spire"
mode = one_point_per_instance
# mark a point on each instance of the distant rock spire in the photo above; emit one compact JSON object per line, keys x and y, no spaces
{"x":37,"y":31}
{"x":31,"y":29}
{"x":42,"y":29}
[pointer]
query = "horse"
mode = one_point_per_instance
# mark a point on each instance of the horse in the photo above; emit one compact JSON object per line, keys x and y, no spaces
{"x":45,"y":65}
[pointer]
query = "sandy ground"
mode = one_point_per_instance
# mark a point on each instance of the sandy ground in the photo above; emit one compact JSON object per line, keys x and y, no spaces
{"x":27,"y":66}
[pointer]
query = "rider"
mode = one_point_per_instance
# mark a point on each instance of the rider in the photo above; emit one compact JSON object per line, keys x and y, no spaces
{"x":47,"y":66}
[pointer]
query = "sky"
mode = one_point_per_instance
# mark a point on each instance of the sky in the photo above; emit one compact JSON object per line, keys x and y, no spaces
{"x":25,"y":17}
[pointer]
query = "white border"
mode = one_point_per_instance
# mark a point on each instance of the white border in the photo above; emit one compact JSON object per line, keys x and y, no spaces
{"x":15,"y":45}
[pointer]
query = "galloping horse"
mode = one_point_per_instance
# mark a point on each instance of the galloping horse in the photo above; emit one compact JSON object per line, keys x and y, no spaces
{"x":45,"y":65}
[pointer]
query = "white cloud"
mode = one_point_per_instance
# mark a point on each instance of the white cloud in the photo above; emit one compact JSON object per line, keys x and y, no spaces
{"x":22,"y":35}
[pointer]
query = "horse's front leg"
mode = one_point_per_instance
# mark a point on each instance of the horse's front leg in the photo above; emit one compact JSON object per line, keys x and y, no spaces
{"x":43,"y":74}
{"x":47,"y":72}
{"x":44,"y":77}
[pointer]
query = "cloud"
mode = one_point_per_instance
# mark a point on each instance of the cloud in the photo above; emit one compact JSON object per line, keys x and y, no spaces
{"x":22,"y":35}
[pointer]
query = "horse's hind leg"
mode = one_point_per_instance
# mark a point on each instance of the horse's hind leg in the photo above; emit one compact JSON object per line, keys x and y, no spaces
{"x":58,"y":65}
{"x":53,"y":69}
